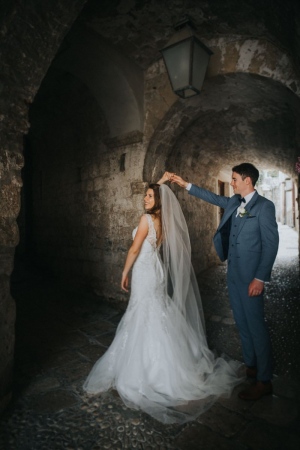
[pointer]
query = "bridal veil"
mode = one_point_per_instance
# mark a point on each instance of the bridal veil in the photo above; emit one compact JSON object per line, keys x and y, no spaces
{"x":181,"y":283}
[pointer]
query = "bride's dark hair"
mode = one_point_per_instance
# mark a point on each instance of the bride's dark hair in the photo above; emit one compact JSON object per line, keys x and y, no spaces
{"x":156,"y":210}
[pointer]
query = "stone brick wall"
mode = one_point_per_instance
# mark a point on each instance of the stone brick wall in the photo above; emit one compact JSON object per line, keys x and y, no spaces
{"x":86,"y":195}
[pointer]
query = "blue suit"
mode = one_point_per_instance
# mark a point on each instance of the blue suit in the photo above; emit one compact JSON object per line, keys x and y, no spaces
{"x":250,"y":245}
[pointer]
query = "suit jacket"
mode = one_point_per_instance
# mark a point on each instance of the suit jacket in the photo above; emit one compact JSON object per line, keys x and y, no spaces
{"x":256,"y":242}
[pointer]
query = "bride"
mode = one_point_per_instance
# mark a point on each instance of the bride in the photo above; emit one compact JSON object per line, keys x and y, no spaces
{"x":159,"y":360}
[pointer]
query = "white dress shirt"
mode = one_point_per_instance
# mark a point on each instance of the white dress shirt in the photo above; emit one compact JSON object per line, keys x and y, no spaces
{"x":247,"y":199}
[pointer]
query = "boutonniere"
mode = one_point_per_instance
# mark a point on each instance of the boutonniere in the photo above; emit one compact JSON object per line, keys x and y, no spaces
{"x":243,"y":212}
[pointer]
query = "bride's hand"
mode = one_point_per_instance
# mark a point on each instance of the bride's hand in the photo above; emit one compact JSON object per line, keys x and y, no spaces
{"x":166,"y":177}
{"x":125,"y":283}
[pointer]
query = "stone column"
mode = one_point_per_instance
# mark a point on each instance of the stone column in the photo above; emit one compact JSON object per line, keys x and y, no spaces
{"x":10,"y":166}
{"x":31,"y":33}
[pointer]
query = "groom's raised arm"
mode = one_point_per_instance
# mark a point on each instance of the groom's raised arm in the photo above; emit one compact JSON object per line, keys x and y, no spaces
{"x":199,"y":192}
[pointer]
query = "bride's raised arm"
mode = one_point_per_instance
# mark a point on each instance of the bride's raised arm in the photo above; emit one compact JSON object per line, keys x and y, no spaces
{"x":166,"y":177}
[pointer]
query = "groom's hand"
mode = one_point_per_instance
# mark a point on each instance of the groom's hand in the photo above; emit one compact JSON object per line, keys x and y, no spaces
{"x":166,"y":177}
{"x":178,"y":180}
{"x":255,"y":288}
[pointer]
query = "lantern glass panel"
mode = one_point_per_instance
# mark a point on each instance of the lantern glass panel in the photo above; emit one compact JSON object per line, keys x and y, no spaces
{"x":200,"y":63}
{"x":177,"y":59}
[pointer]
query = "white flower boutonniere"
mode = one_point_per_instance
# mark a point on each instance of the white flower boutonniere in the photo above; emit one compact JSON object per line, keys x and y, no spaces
{"x":243,"y":212}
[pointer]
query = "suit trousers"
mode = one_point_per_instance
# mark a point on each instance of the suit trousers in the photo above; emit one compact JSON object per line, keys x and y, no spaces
{"x":249,"y":317}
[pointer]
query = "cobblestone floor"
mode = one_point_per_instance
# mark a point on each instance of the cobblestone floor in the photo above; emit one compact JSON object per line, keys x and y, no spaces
{"x":60,"y":334}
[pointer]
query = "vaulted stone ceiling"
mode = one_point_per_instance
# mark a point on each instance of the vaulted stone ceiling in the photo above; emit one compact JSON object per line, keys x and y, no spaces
{"x":140,"y":28}
{"x":112,"y":43}
{"x":237,"y":117}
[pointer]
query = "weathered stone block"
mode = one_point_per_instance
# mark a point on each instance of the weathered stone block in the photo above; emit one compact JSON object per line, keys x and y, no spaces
{"x":6,"y":264}
{"x":138,"y":187}
{"x":9,"y":232}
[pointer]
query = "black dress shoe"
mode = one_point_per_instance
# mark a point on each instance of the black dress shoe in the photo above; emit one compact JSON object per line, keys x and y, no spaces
{"x":256,"y":391}
{"x":251,"y":372}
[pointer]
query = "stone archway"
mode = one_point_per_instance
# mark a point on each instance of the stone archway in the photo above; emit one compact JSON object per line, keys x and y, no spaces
{"x":238,"y":117}
{"x":115,"y":82}
{"x":246,"y":105}
{"x":234,"y":54}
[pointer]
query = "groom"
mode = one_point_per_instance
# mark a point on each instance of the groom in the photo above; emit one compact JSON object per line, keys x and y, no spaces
{"x":248,"y":238}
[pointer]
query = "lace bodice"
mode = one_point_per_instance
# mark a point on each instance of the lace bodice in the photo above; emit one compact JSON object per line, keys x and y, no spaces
{"x":151,"y":236}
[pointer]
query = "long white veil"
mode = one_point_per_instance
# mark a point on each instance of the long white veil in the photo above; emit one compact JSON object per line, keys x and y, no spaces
{"x":181,"y":284}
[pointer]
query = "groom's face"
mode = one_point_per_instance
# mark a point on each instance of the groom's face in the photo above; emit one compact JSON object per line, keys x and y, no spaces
{"x":239,"y":185}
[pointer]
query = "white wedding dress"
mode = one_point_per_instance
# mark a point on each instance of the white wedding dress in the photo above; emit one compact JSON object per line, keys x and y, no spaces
{"x":157,"y":362}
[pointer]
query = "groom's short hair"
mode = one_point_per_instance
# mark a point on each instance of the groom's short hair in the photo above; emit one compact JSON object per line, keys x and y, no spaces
{"x":247,"y":170}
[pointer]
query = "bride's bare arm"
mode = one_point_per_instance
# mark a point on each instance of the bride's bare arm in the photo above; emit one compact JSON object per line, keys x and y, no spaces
{"x":134,"y":251}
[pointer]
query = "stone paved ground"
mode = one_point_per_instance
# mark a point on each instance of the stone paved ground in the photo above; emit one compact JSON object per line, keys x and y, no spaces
{"x":60,"y":334}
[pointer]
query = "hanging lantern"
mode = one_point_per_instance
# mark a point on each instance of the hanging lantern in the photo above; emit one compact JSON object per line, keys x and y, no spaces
{"x":186,"y":59}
